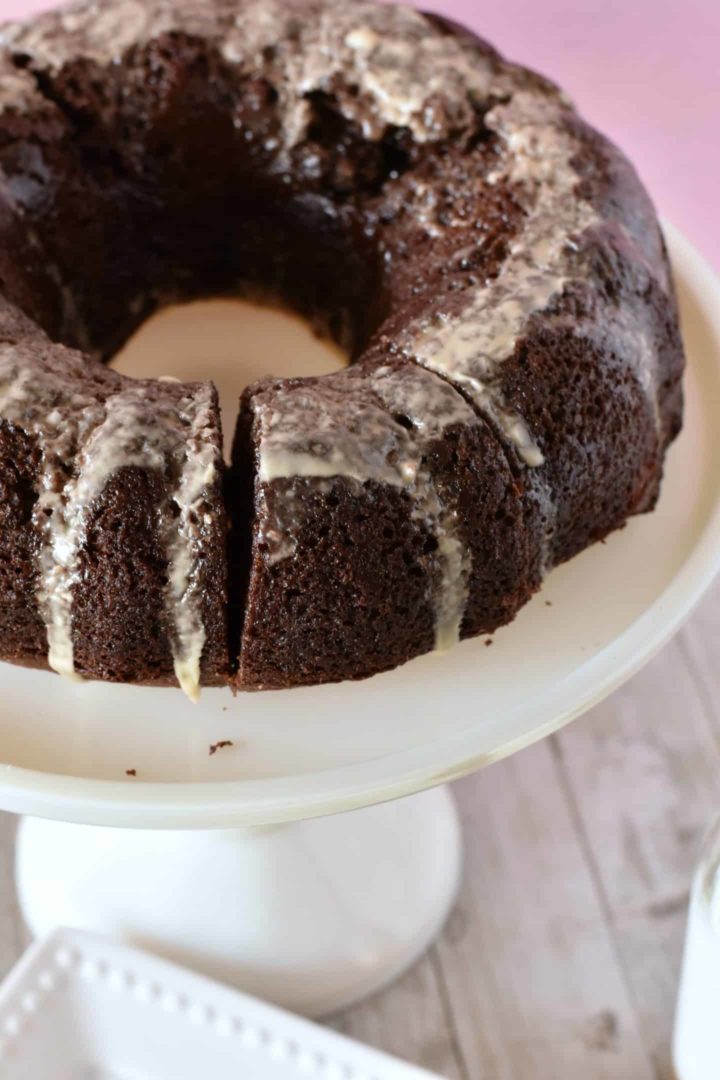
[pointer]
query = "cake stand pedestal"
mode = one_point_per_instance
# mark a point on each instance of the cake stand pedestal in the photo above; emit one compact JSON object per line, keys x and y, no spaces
{"x":279,"y":862}
{"x":312,"y":916}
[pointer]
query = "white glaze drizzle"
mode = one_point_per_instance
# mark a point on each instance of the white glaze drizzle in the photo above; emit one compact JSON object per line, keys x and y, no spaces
{"x":335,"y":433}
{"x":100,"y":433}
{"x":199,"y":472}
{"x":432,"y":406}
{"x":94,"y":29}
{"x":18,"y":90}
{"x":350,"y":430}
{"x":470,"y":348}
{"x":123,"y":437}
{"x":405,"y":72}
{"x":64,"y":416}
{"x":303,"y":435}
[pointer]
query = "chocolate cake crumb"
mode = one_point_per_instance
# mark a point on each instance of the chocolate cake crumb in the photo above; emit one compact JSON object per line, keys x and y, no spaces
{"x":214,"y":747}
{"x":131,"y":772}
{"x":488,"y":642}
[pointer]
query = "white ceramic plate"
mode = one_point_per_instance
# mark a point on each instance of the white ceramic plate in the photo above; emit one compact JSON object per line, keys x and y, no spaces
{"x":80,"y":1007}
{"x":299,"y":753}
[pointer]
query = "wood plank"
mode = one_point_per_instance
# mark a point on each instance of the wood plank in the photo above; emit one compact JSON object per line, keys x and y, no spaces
{"x":643,"y":769}
{"x":408,"y":1019}
{"x":651,"y":948}
{"x":642,"y":772}
{"x":527,"y":959}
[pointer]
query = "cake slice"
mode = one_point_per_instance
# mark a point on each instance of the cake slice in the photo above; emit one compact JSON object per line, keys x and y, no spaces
{"x":112,"y":522}
{"x":386,"y":522}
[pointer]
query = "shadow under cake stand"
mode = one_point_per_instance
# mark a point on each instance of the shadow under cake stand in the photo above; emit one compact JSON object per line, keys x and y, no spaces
{"x":317,"y":856}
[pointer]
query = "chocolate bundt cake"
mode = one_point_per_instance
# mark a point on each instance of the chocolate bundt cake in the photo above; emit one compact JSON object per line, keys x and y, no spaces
{"x":491,"y":264}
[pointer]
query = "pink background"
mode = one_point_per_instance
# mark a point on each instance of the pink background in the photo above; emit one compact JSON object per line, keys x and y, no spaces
{"x":646,"y":72}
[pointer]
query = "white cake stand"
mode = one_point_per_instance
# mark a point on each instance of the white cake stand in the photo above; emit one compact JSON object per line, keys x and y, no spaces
{"x":315,"y":914}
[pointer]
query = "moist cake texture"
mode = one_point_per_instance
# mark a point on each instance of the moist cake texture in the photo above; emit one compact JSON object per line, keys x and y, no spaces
{"x":492,"y":265}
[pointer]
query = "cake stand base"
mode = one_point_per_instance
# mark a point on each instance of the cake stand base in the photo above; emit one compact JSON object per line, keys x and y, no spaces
{"x":312,"y":916}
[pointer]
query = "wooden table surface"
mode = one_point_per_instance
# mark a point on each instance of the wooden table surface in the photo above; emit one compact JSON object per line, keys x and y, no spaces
{"x":561,"y":959}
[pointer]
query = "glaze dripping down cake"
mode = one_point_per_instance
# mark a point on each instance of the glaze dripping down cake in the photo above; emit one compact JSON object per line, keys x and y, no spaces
{"x":491,"y":264}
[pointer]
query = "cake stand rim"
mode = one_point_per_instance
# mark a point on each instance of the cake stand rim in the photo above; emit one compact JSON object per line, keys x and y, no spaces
{"x":232,"y":803}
